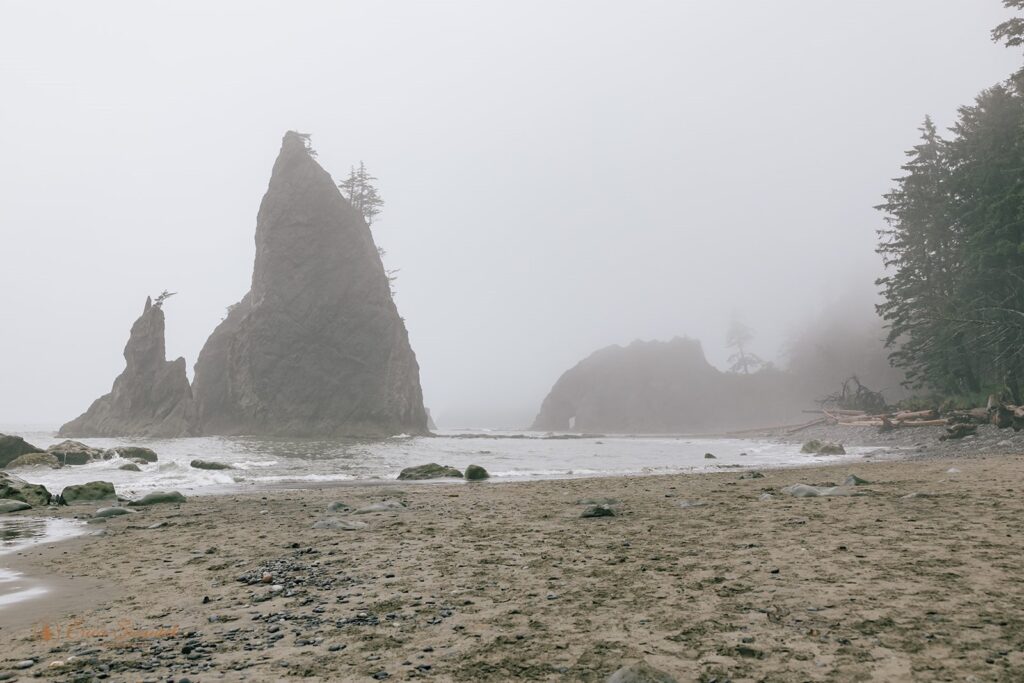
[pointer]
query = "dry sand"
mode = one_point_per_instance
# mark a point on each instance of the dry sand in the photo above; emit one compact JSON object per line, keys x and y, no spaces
{"x":498,"y":582}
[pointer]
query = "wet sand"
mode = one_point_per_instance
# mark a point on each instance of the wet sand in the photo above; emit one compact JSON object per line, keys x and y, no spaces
{"x":497,"y":582}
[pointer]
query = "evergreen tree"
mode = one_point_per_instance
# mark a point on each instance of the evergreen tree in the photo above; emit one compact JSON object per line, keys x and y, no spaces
{"x":359,"y":189}
{"x":739,"y":337}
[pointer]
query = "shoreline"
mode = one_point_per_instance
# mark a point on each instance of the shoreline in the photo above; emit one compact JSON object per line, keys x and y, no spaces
{"x":498,"y":582}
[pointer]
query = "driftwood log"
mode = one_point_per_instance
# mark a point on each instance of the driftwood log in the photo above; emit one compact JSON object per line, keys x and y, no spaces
{"x":1000,"y":414}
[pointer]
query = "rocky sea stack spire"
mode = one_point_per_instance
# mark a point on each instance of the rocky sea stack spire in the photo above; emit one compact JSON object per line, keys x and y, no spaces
{"x":151,"y":397}
{"x":316,"y":348}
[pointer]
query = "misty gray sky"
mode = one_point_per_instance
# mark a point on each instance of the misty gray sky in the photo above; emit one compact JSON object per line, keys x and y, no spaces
{"x":558,"y":176}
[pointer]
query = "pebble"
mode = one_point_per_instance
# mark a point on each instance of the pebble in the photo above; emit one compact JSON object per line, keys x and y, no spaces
{"x":25,"y":664}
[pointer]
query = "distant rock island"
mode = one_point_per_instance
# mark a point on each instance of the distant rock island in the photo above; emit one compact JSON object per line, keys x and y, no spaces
{"x":152,"y":397}
{"x":315,"y":348}
{"x":655,"y":387}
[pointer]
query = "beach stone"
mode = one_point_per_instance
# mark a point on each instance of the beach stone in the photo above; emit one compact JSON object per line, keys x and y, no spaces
{"x":130,"y":467}
{"x":12,"y":447}
{"x":25,"y":664}
{"x":338,"y":506}
{"x":340,"y":524}
{"x":476,"y":473}
{"x":854,"y":480}
{"x":16,"y":488}
{"x":766,"y":496}
{"x":812,"y":446}
{"x":158,"y":498}
{"x":382,"y":506}
{"x":89,"y":492}
{"x":75,"y":452}
{"x":136,"y":453}
{"x":429,"y":471}
{"x":806,"y":491}
{"x":112,"y":512}
{"x":752,"y":475}
{"x":640,"y":672}
{"x":9,"y":505}
{"x":959,"y":431}
{"x":598,"y":511}
{"x":209,"y":465}
{"x":34,"y":460}
{"x":710,"y":456}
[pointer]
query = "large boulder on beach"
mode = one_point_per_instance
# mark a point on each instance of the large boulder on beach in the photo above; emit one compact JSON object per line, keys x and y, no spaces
{"x":34,"y":460}
{"x":816,"y":447}
{"x":16,"y":488}
{"x":90,"y":492}
{"x":317,"y":347}
{"x":137,"y":453}
{"x":152,"y":397}
{"x":430,"y":471}
{"x":158,"y":498}
{"x":12,"y":447}
{"x":210,"y":465}
{"x":476,"y":473}
{"x":70,"y":452}
{"x":11,"y":505}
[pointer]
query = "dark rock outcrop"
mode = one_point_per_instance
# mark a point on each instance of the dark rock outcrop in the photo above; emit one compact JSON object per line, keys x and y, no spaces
{"x":316,"y":348}
{"x":90,"y":492}
{"x":70,"y":452}
{"x":16,"y":488}
{"x":652,"y":387}
{"x":137,"y":453}
{"x":34,"y":460}
{"x":12,"y":447}
{"x":152,"y":397}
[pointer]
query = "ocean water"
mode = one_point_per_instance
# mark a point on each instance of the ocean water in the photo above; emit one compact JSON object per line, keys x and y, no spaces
{"x":508,"y":456}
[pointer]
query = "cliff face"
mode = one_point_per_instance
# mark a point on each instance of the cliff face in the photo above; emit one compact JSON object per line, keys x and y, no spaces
{"x":316,"y":348}
{"x":661,"y":388}
{"x":151,"y":397}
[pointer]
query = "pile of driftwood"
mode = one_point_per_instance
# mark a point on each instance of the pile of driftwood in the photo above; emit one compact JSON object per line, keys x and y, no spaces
{"x":958,"y":423}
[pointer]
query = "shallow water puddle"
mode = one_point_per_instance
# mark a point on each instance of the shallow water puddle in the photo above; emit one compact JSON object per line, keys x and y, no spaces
{"x":18,"y":534}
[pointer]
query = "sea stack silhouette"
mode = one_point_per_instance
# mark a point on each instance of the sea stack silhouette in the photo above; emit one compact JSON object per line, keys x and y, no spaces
{"x":150,"y":398}
{"x":663,"y":387}
{"x":316,"y":348}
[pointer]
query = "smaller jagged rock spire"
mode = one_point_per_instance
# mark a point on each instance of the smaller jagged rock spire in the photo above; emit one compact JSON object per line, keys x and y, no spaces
{"x":152,"y":397}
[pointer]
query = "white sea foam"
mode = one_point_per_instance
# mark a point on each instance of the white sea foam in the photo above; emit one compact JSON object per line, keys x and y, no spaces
{"x":506,"y":455}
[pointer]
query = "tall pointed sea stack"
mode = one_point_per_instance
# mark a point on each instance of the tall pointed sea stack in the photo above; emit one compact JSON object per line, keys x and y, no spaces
{"x":316,"y":348}
{"x":151,"y":397}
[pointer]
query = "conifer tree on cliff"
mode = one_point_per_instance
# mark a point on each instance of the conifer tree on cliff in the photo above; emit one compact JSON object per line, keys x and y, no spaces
{"x":359,"y":189}
{"x":954,"y":246}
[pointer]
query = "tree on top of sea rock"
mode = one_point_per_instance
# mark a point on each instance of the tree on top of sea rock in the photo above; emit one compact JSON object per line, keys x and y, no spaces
{"x":739,"y":337}
{"x":359,"y":189}
{"x":164,"y":296}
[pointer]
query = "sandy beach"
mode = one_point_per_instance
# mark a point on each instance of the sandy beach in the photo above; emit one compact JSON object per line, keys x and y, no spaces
{"x":699,"y":575}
